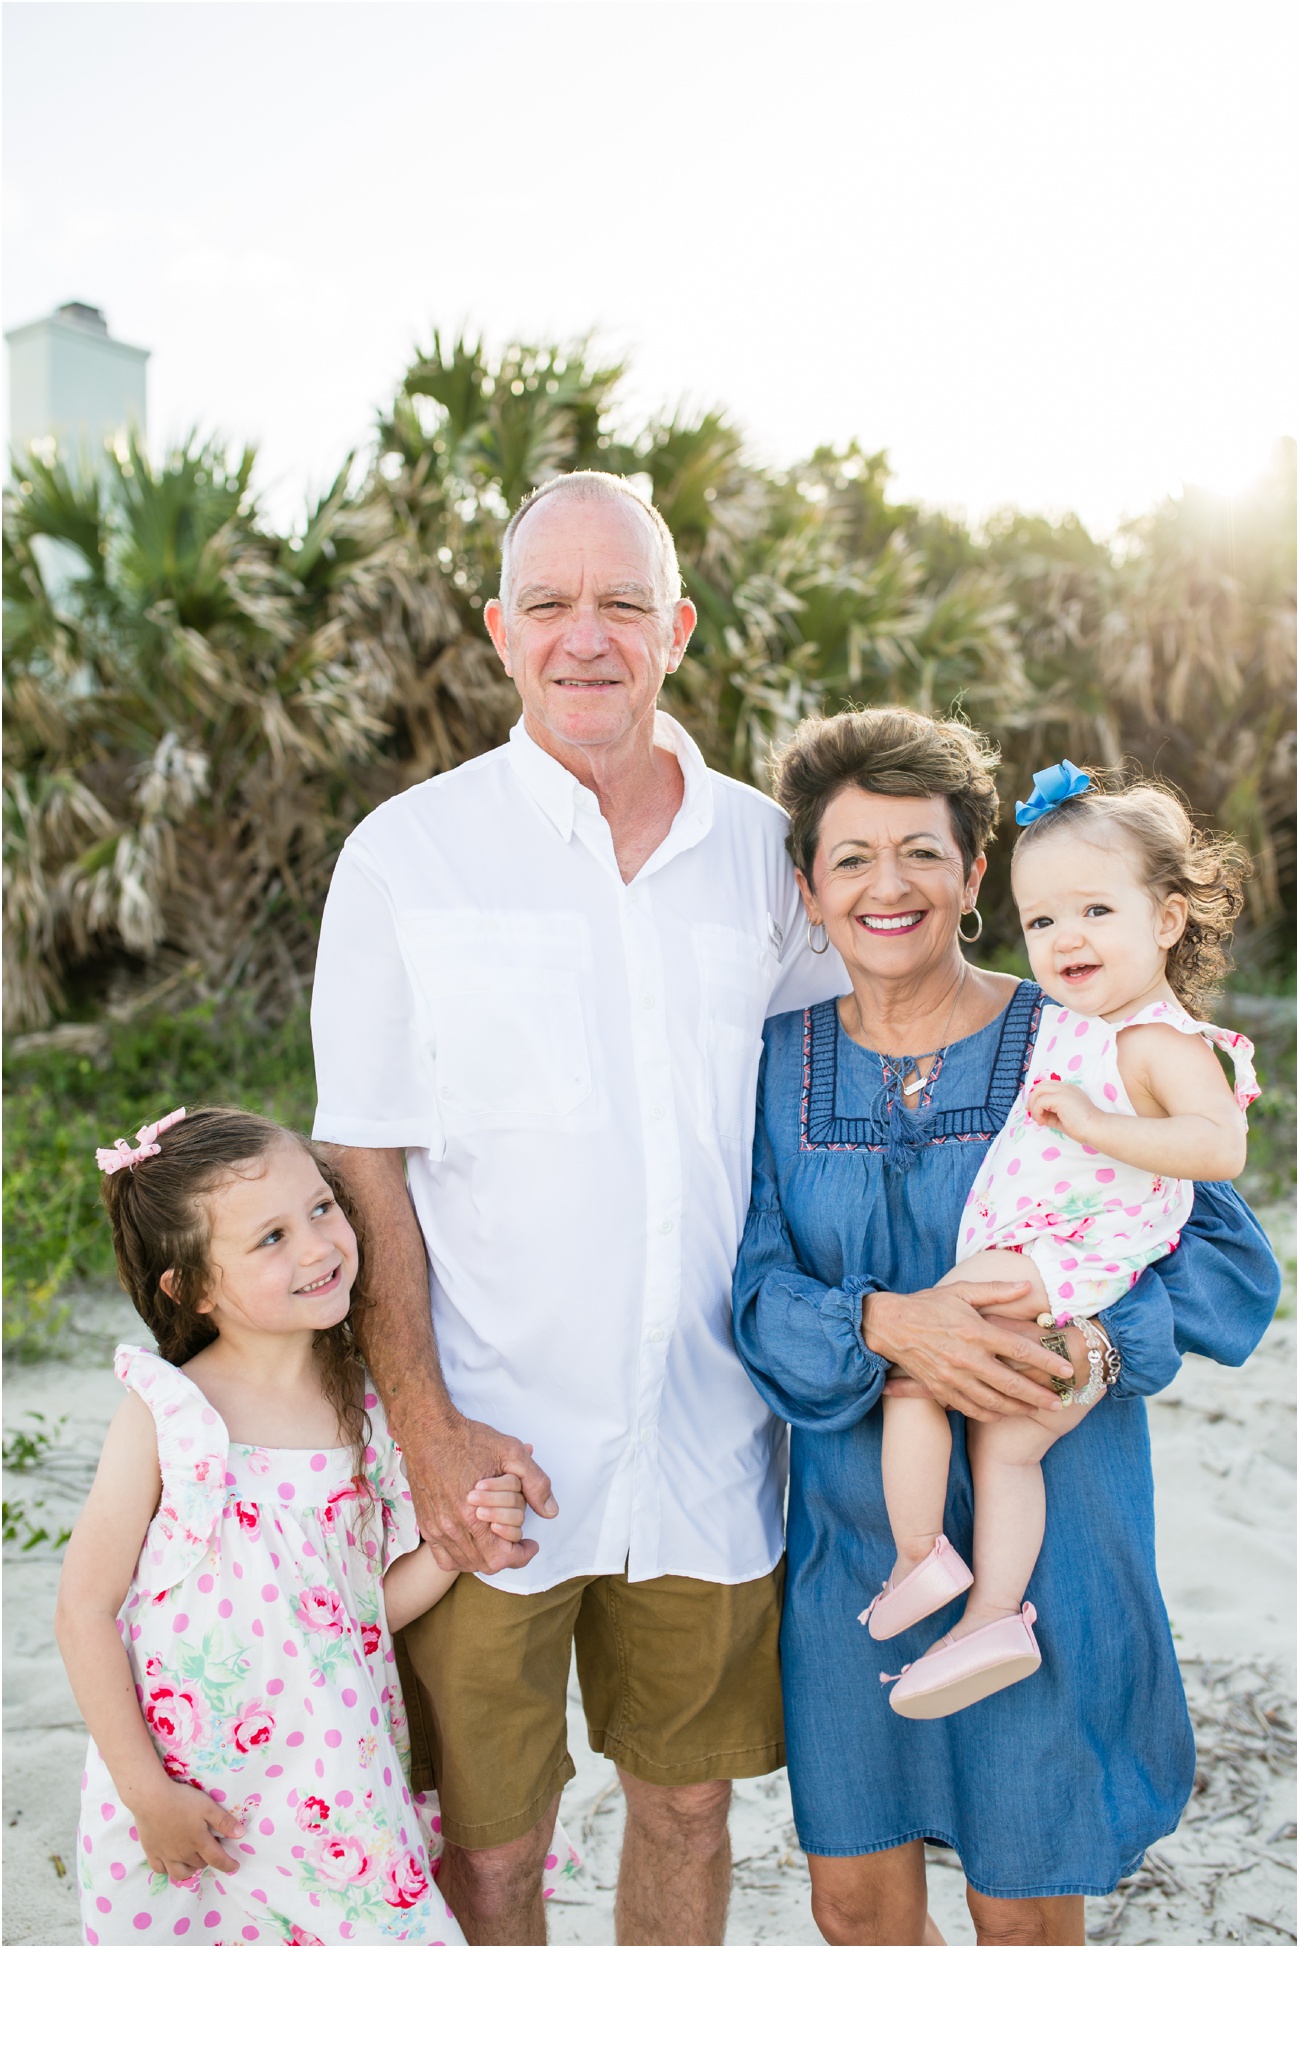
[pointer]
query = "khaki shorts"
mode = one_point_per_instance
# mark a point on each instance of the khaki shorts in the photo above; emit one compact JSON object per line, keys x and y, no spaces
{"x":680,"y":1681}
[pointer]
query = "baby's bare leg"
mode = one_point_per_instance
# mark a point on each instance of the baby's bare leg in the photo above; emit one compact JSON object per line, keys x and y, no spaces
{"x":1009,"y":1507}
{"x":1006,"y":1465}
{"x":1001,"y":1267}
{"x":914,"y":1458}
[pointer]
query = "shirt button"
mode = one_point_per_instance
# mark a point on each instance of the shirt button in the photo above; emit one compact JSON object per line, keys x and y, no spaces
{"x":647,"y":1436}
{"x":656,"y":1336}
{"x":666,"y":1226}
{"x":647,"y":1002}
{"x":658,"y":1111}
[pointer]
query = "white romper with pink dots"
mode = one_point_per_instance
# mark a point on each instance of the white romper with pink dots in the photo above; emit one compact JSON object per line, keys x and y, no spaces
{"x":266,"y":1674}
{"x":1091,"y":1225}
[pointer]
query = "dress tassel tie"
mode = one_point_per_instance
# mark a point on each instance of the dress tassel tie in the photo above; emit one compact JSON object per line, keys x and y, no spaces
{"x":900,"y":1150}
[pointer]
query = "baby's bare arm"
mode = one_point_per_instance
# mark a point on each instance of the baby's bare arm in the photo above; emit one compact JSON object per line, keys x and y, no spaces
{"x":1187,"y":1124}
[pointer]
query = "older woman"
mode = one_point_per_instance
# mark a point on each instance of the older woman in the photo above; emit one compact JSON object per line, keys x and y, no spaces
{"x":873,"y":1115}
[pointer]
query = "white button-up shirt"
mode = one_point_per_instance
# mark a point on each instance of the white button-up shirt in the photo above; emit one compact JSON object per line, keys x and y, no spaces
{"x":569,"y":1061}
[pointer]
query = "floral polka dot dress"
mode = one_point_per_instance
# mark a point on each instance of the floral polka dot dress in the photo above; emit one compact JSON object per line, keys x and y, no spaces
{"x":266,"y":1674}
{"x":1091,"y":1225}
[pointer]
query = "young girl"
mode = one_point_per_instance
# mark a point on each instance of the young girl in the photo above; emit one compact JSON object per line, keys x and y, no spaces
{"x":249,"y":1544}
{"x":1125,"y":908}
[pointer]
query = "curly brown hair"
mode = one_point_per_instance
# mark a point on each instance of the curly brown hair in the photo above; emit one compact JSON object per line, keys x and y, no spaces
{"x":161,"y":1218}
{"x":889,"y":752}
{"x":1177,"y":857}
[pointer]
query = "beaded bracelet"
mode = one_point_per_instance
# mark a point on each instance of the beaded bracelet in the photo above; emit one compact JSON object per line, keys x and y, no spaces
{"x":1103,"y":1362}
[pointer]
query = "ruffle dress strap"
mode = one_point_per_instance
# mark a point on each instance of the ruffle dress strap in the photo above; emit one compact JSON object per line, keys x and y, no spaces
{"x":387,"y":1472}
{"x":1240,"y":1051}
{"x":193,"y":1448}
{"x":1238,"y":1048}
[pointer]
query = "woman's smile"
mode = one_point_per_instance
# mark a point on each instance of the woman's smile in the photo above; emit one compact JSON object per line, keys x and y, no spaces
{"x":898,"y":921}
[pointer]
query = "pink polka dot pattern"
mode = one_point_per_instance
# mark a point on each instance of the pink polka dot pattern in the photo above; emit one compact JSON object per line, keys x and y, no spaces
{"x":283,"y":1709}
{"x":1091,"y":1224}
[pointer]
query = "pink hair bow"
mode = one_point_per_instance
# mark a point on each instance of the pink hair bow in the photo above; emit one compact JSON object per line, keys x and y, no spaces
{"x":112,"y":1158}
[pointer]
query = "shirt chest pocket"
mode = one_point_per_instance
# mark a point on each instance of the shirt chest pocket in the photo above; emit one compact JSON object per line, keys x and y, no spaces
{"x":503,"y":994}
{"x":736,"y":971}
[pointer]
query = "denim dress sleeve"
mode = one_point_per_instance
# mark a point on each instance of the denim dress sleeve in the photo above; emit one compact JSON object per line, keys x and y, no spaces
{"x":800,"y":1340}
{"x":1216,"y":1294}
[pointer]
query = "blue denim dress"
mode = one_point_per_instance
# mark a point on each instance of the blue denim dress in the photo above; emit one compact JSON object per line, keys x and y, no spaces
{"x":1060,"y":1784}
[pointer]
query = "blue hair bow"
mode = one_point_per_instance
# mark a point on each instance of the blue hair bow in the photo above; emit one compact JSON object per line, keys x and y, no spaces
{"x":1051,"y":788}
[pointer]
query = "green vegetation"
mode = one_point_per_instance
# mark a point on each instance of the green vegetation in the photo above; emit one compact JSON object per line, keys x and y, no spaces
{"x":27,"y":1450}
{"x":62,"y":1102}
{"x":199,"y":707}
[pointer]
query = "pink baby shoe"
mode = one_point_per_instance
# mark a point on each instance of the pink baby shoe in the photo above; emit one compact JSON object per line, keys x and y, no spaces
{"x":928,"y":1586}
{"x":958,"y":1671}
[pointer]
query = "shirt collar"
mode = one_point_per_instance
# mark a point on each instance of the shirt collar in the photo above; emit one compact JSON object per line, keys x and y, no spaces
{"x":558,"y":793}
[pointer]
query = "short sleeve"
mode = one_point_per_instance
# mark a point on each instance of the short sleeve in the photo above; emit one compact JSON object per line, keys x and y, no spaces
{"x":193,"y":1446}
{"x":372,"y":1039}
{"x":387,"y":1472}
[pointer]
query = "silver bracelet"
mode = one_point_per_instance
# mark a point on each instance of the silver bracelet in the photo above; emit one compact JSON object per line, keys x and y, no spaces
{"x":1103,"y":1362}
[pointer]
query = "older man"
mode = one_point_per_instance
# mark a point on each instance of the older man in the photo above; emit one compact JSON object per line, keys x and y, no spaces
{"x":539,"y":999}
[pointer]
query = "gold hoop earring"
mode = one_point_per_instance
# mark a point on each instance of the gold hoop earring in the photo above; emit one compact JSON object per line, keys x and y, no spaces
{"x":825,"y":946}
{"x":971,"y":938}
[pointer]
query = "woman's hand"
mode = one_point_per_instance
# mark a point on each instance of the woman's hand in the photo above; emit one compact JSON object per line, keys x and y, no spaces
{"x":956,"y":1354}
{"x":181,"y":1831}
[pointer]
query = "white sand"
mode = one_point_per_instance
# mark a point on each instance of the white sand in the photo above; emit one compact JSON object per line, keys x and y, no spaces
{"x":1224,"y":1449}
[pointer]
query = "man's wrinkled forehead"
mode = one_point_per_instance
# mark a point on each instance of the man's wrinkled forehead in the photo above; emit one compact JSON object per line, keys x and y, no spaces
{"x":602,"y":543}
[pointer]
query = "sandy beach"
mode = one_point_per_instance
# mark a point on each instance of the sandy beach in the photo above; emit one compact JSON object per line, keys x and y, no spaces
{"x":1224,"y":1452}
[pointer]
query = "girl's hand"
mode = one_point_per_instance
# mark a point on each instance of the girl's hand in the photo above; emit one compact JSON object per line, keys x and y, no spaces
{"x":1067,"y":1109}
{"x":181,"y":1832}
{"x":499,"y":1501}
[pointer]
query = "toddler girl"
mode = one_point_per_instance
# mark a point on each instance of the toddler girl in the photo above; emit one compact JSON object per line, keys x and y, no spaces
{"x":1125,"y":908}
{"x":247,"y":1547}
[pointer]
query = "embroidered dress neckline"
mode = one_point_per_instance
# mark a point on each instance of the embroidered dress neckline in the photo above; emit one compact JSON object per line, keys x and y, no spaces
{"x":823,"y":1128}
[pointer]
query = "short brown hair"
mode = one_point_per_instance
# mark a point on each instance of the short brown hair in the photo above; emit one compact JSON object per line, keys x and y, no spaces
{"x":888,"y":752}
{"x":1176,"y":857}
{"x":160,"y":1219}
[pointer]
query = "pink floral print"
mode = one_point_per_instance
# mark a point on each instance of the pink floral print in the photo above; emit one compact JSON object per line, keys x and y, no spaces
{"x":266,"y":1676}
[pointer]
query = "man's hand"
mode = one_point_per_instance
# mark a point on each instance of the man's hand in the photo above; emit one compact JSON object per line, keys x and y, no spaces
{"x":956,"y":1354}
{"x":181,"y":1831}
{"x":445,"y":1464}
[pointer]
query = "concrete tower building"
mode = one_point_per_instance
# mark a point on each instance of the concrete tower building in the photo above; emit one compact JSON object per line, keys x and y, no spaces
{"x":71,"y":384}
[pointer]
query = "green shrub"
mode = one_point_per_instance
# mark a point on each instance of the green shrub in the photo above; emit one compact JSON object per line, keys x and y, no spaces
{"x":60,"y":1104}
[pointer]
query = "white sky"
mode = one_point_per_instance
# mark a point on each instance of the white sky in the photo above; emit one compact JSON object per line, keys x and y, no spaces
{"x":1042,"y":253}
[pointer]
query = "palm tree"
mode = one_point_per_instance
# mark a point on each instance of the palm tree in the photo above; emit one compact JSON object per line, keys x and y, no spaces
{"x":184,"y":699}
{"x":198,"y":707}
{"x":1174,"y":650}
